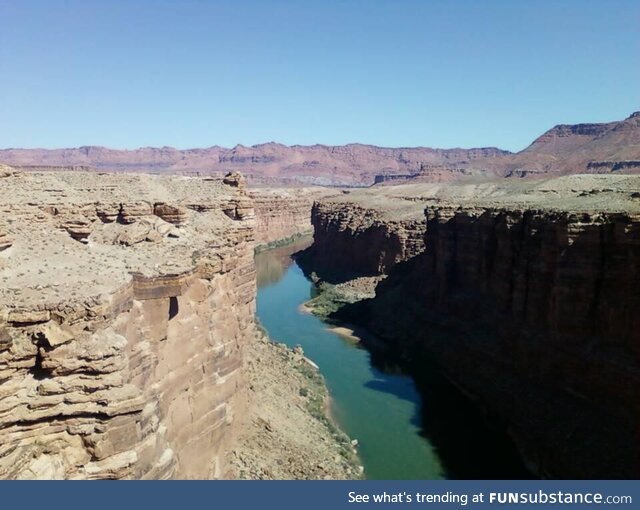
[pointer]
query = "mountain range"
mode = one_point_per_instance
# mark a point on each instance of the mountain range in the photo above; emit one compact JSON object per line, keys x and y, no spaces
{"x":564,"y":149}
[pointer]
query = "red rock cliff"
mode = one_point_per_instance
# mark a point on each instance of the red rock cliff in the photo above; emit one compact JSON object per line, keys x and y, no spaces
{"x":124,"y":307}
{"x":351,"y":240}
{"x":534,"y":312}
{"x":283,"y":213}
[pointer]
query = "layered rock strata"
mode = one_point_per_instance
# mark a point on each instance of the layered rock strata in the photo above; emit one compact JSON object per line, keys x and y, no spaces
{"x":528,"y":301}
{"x":351,"y":240}
{"x":125,"y":303}
{"x":284,"y":213}
{"x":322,"y":165}
{"x":564,"y":149}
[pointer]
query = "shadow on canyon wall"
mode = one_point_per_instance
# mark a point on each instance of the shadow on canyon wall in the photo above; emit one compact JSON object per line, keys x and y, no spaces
{"x":470,"y":443}
{"x":539,"y":322}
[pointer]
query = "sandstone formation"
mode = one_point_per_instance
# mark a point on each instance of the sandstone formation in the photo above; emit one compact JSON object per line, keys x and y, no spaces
{"x":526,"y":297}
{"x":125,"y":302}
{"x":5,"y":239}
{"x":368,"y":231}
{"x":6,"y":171}
{"x":284,"y":213}
{"x":363,"y":241}
{"x":575,"y":148}
{"x":564,"y":149}
{"x":353,"y":164}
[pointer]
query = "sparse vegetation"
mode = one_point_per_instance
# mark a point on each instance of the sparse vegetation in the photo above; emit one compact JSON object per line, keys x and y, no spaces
{"x":329,"y":300}
{"x":281,"y":242}
{"x":317,"y":398}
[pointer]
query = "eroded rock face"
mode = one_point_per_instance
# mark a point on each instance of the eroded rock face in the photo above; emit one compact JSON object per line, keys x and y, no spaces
{"x":265,"y":163}
{"x":120,"y":357}
{"x":351,"y":240}
{"x":533,"y":311}
{"x":283,"y":213}
{"x":171,"y":214}
{"x":541,"y":318}
{"x":235,"y":179}
{"x":5,"y":171}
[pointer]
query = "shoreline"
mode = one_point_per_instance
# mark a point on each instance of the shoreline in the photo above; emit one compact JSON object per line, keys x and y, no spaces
{"x":287,"y":388}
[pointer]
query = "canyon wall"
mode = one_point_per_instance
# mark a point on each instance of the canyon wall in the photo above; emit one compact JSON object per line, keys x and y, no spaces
{"x":284,"y":213}
{"x":351,"y":240}
{"x":124,"y":307}
{"x":532,"y":311}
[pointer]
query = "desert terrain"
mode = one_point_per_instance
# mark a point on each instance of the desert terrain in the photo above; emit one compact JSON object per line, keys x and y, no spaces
{"x":563,"y":149}
{"x":129,"y":345}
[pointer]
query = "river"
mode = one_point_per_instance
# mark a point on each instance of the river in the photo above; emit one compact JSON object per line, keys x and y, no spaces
{"x":380,"y":410}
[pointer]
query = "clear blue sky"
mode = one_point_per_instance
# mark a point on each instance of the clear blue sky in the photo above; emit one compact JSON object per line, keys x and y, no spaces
{"x":389,"y":72}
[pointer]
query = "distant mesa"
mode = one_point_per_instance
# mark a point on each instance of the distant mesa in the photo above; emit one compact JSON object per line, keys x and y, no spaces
{"x":563,"y":149}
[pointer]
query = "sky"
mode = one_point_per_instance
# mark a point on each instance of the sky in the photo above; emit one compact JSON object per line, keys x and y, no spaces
{"x":196,"y":73}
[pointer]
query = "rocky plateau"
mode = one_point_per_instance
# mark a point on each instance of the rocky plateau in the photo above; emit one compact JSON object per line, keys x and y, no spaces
{"x":128,"y":342}
{"x":127,"y":309}
{"x":523,"y":293}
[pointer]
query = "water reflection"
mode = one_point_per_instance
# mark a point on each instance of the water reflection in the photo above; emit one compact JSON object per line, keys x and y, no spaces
{"x":401,"y":435}
{"x":380,"y":409}
{"x":271,"y":265}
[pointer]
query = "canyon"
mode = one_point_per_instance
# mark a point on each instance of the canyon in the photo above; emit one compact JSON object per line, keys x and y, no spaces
{"x":522,"y":294}
{"x":284,"y":214}
{"x":564,"y":149}
{"x":126,"y":317}
{"x":129,"y":349}
{"x":129,"y":346}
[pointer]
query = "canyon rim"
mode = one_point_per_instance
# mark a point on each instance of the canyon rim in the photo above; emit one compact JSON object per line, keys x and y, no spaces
{"x":377,"y":243}
{"x":130,"y":347}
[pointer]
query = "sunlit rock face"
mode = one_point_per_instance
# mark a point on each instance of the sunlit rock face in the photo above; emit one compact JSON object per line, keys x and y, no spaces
{"x":283,"y":213}
{"x":125,"y":303}
{"x":352,"y":240}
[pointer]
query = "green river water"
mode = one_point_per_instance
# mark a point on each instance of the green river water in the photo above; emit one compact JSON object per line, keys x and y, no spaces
{"x":380,"y":410}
